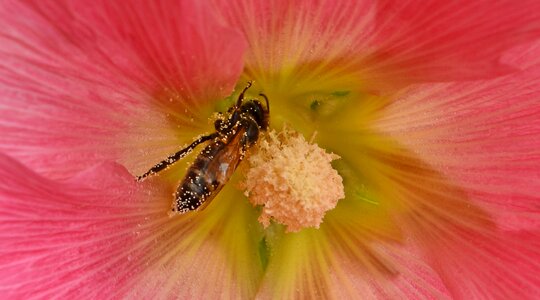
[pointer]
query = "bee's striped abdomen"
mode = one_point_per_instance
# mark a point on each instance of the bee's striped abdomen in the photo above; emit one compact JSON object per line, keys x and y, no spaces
{"x":199,"y":183}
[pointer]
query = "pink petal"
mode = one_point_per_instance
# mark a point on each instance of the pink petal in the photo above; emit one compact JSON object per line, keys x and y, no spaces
{"x":382,"y":270}
{"x":479,"y":266}
{"x":441,"y":40}
{"x":378,"y":45}
{"x":482,"y":135}
{"x":302,"y":44}
{"x":100,"y":236}
{"x":473,"y":256}
{"x":65,"y":239}
{"x":346,"y":262}
{"x":79,"y":82}
{"x":422,"y":236}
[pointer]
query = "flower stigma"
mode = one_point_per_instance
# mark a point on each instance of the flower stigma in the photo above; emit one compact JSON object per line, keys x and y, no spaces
{"x":293,"y":180}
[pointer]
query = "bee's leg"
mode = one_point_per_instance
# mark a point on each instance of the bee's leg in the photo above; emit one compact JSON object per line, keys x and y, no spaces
{"x":224,"y":126}
{"x":177,"y":156}
{"x":220,"y":124}
{"x":241,"y":96}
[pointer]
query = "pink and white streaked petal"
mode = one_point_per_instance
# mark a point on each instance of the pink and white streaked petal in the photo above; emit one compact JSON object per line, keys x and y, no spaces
{"x":343,"y":261}
{"x":482,"y":135}
{"x":78,"y":81}
{"x":99,"y":235}
{"x":465,"y":253}
{"x":454,"y":235}
{"x":302,"y":44}
{"x":378,"y":45}
{"x":66,"y":239}
{"x":382,"y":270}
{"x":437,"y":40}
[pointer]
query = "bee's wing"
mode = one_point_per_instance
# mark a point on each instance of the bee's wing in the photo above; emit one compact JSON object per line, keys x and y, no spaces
{"x":211,"y":170}
{"x":224,"y":163}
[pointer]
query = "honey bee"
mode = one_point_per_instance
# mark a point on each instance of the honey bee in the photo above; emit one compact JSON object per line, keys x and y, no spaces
{"x":235,"y":133}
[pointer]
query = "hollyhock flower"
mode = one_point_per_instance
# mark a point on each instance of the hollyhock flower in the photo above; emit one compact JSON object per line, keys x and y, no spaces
{"x":432,"y":106}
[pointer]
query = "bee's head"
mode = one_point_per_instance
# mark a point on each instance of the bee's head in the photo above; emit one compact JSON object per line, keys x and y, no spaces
{"x":255,"y":109}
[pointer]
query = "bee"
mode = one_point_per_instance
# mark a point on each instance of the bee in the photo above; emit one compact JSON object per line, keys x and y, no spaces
{"x":236,"y":132}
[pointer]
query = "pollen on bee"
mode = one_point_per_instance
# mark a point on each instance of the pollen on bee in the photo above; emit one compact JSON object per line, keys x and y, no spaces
{"x":293,"y":180}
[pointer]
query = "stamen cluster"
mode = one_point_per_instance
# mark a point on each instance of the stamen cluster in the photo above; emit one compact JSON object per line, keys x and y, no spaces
{"x":293,"y":180}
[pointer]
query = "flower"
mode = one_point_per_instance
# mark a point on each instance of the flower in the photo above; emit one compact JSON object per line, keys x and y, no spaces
{"x":433,"y":107}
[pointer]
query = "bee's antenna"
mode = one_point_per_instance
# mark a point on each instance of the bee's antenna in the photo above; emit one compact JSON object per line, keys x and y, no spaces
{"x":241,"y":96}
{"x":267,"y":103}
